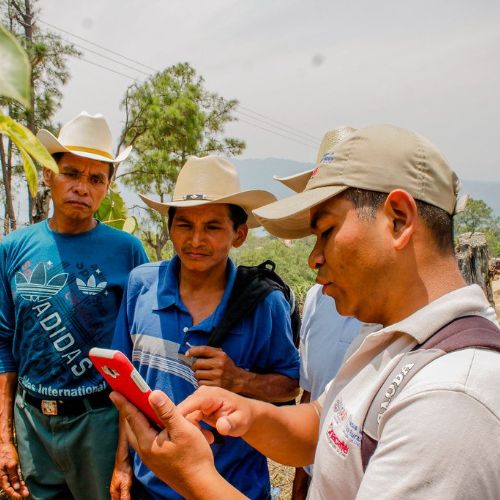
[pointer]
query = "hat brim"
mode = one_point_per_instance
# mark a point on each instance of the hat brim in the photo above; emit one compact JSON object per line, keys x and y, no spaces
{"x":289,"y":218}
{"x":248,"y":200}
{"x":296,"y":182}
{"x":54,"y":146}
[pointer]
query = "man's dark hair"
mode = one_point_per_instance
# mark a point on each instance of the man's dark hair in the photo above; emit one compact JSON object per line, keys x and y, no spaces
{"x":237,"y":215}
{"x":57,"y":157}
{"x":438,"y":221}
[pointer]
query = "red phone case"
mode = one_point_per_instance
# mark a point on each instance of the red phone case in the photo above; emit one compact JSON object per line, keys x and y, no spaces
{"x":121,"y":375}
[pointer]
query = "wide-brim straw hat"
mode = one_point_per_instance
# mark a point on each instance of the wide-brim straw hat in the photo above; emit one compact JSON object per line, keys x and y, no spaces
{"x":378,"y":158}
{"x":212,"y":179}
{"x":85,"y":135}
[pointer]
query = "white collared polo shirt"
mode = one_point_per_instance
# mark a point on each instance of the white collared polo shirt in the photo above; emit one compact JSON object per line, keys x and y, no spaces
{"x":440,"y":437}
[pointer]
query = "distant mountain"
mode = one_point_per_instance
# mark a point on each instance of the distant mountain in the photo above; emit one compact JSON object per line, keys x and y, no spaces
{"x":258,"y":174}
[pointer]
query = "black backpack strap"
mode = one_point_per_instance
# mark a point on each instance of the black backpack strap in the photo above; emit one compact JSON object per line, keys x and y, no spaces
{"x":461,"y":333}
{"x":252,"y":284}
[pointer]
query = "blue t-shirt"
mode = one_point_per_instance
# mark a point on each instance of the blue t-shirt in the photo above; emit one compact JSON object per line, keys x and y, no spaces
{"x":60,"y":295}
{"x":155,"y":329}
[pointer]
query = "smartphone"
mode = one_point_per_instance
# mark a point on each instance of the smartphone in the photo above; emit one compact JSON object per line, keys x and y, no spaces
{"x":121,"y":375}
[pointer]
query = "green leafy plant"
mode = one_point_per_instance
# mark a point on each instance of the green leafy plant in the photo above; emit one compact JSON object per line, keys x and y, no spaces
{"x":15,"y":75}
{"x":290,"y":258}
{"x":14,"y":84}
{"x":169,"y":117}
{"x":114,"y":212}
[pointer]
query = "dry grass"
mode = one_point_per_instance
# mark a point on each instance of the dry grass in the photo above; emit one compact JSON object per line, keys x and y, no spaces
{"x":282,"y":477}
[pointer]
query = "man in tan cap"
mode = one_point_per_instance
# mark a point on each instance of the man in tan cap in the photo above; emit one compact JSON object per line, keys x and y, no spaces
{"x":325,"y":335}
{"x":172,"y":307}
{"x":424,"y":386}
{"x":61,"y":283}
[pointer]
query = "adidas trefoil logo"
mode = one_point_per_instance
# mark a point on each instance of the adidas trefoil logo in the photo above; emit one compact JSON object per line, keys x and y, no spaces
{"x":90,"y":288}
{"x":36,"y":287}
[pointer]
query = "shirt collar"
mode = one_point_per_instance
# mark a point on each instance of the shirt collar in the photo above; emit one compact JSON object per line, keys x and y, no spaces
{"x":168,"y":291}
{"x":168,"y":285}
{"x":466,"y":301}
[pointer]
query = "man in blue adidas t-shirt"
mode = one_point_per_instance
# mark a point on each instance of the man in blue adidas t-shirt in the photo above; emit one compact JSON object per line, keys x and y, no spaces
{"x":171,"y":308}
{"x":61,"y":283}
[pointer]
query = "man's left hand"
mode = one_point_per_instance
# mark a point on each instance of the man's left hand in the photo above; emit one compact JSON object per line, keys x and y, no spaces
{"x":215,"y":368}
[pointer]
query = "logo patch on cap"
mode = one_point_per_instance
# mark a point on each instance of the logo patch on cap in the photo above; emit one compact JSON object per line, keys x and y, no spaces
{"x":327,"y":158}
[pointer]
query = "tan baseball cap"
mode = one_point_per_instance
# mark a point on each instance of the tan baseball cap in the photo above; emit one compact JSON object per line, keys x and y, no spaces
{"x":376,"y":158}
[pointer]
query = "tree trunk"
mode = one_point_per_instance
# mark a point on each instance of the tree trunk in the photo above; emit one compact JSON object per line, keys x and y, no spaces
{"x":41,"y":205}
{"x":38,"y":206}
{"x":158,"y":249}
{"x":473,"y":261}
{"x":10,"y":221}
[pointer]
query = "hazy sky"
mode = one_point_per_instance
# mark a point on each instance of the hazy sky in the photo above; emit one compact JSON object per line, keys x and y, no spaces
{"x":430,"y":65}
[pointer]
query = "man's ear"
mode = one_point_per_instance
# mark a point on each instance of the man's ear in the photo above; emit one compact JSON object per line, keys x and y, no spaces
{"x":401,"y":211}
{"x":241,"y":235}
{"x":47,"y":177}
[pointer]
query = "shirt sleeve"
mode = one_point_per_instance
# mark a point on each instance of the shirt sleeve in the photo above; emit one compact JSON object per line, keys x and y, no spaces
{"x":435,"y":444}
{"x":307,"y":311}
{"x":305,"y":383}
{"x":283,"y":356}
{"x":121,"y":337}
{"x":7,"y":318}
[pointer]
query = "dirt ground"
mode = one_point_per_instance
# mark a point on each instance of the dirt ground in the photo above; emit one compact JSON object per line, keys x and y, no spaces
{"x":282,"y":478}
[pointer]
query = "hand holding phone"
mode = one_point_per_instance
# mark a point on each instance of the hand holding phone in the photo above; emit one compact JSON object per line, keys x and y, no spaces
{"x":121,"y":375}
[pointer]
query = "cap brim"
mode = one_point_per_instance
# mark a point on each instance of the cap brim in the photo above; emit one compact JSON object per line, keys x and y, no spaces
{"x":290,"y":218}
{"x":54,"y":146}
{"x":248,"y":200}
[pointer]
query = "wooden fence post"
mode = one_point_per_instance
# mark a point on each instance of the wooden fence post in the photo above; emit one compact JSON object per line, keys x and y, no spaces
{"x":473,"y":261}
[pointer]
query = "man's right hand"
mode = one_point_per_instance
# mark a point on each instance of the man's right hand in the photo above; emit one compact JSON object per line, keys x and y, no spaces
{"x":10,"y":479}
{"x":229,"y":413}
{"x":121,"y":481}
{"x":269,"y":429}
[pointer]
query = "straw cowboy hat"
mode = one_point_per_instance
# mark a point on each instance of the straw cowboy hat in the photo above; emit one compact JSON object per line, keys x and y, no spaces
{"x":85,"y":135}
{"x":212,"y":179}
{"x":298,"y":182}
{"x":377,"y":158}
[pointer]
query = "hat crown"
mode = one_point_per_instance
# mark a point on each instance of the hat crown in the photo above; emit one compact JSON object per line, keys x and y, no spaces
{"x":89,"y":131}
{"x":206,"y":178}
{"x":298,"y":182}
{"x":331,"y":139}
{"x":85,"y":135}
